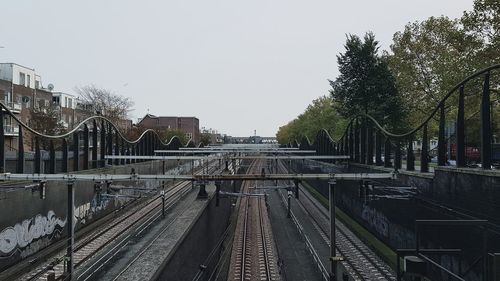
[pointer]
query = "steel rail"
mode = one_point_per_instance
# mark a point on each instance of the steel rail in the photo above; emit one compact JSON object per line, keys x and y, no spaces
{"x":151,"y":205}
{"x":263,"y":240}
{"x":341,"y":233}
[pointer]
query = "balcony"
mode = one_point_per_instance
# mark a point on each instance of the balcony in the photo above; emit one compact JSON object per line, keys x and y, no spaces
{"x":14,"y":106}
{"x":10,"y":130}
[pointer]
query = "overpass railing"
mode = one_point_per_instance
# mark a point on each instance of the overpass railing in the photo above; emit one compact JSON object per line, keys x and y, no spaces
{"x":366,"y":141}
{"x":88,"y":142}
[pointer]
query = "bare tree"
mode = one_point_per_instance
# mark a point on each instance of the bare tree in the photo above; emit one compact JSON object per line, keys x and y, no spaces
{"x":46,"y":121}
{"x":105,"y":102}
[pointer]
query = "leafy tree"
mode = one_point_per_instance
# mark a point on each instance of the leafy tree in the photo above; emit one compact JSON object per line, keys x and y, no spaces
{"x":205,"y":139}
{"x":320,"y":114}
{"x":104,"y":102}
{"x":483,"y":22}
{"x":168,"y":134}
{"x":365,"y":83}
{"x":428,"y":59}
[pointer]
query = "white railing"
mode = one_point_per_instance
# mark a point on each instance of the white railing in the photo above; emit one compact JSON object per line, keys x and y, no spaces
{"x":11,"y":130}
{"x":17,"y":106}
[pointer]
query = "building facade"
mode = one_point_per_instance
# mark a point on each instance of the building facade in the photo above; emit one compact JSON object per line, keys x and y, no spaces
{"x":188,"y":125}
{"x":20,"y":90}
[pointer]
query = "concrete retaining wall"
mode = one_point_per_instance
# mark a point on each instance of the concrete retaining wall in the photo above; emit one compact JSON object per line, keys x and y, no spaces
{"x":30,"y":222}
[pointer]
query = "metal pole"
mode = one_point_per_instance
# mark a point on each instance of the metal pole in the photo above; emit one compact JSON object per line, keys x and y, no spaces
{"x":70,"y":229}
{"x":217,"y":193}
{"x":333,"y":253}
{"x":296,"y":182}
{"x":398,"y":267}
{"x":162,"y":203}
{"x":288,"y":215}
{"x":276,"y":169}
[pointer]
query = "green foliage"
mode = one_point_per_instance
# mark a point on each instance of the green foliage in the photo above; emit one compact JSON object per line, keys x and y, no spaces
{"x":365,"y":83}
{"x":318,"y":115}
{"x":430,"y":57}
{"x":205,"y":139}
{"x":168,"y":134}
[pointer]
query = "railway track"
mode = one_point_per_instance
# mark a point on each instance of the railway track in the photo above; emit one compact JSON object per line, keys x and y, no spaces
{"x":362,"y":263}
{"x":137,"y":218}
{"x":253,"y":255}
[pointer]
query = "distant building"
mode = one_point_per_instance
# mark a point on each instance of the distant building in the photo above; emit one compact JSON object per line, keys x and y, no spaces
{"x":189,"y":125}
{"x":215,"y":136}
{"x":251,"y":139}
{"x":66,"y":105}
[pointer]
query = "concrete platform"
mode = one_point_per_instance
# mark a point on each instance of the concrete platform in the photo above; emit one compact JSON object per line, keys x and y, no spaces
{"x":146,"y":252}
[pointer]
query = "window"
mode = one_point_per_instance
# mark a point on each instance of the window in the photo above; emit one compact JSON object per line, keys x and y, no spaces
{"x":22,"y":78}
{"x":65,"y":102}
{"x":37,"y":84}
{"x":28,"y":81}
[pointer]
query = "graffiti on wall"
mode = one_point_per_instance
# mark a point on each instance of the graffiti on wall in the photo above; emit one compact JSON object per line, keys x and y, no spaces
{"x":376,"y":219}
{"x":86,"y":212}
{"x":40,"y":230}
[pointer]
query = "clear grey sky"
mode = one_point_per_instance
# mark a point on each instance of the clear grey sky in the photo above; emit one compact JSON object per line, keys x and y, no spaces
{"x":236,"y":65}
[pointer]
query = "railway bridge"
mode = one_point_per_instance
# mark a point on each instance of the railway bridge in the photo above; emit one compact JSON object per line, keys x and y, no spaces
{"x":92,"y":204}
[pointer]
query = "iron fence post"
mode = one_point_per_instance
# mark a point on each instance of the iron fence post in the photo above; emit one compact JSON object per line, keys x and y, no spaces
{"x":424,"y":155}
{"x":109,"y":143}
{"x":441,"y":141}
{"x":76,"y":151}
{"x":20,"y":152}
{"x":85,"y":147}
{"x":351,"y":142}
{"x":397,"y":156}
{"x":486,"y":124}
{"x":117,"y":147}
{"x":369,"y":140}
{"x":2,"y":142}
{"x":65,"y":156}
{"x":94,"y":144}
{"x":410,"y":157}
{"x":333,"y":242}
{"x":356,"y":142}
{"x":363,"y":143}
{"x":378,"y":148}
{"x":37,"y":156}
{"x":387,"y":153}
{"x":103,"y":144}
{"x":460,"y":148}
{"x":52,"y":158}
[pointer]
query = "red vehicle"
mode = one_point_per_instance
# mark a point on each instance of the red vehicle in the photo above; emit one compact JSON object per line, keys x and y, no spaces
{"x":472,"y":153}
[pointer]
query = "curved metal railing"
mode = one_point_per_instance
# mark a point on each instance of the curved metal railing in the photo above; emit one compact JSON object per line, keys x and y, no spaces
{"x":105,"y":137}
{"x":365,"y":139}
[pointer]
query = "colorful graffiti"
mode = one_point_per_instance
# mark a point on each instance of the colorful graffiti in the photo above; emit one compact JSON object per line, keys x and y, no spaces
{"x":22,"y":234}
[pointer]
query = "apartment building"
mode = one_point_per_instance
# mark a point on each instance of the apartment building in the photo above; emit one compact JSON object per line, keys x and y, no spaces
{"x":188,"y":125}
